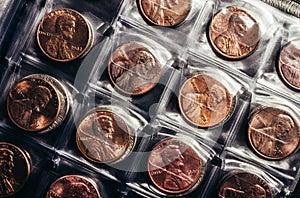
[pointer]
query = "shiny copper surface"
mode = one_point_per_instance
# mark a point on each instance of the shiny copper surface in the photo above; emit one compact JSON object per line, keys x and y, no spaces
{"x":73,"y":186}
{"x":64,"y":35}
{"x":133,"y":69}
{"x":289,"y":63}
{"x":204,"y":101}
{"x":174,"y":167}
{"x":33,"y":104}
{"x":103,"y":136}
{"x":165,"y":13}
{"x":234,"y":33}
{"x":244,"y":185}
{"x":14,"y":169}
{"x":273,"y":133}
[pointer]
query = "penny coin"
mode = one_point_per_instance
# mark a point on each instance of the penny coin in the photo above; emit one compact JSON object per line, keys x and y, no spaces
{"x":273,"y":133}
{"x":165,"y":13}
{"x":175,"y":167}
{"x":204,"y":101}
{"x":289,"y":64}
{"x":64,"y":35}
{"x":15,"y":169}
{"x":133,"y":69}
{"x":73,"y":186}
{"x":104,"y":137}
{"x":33,"y":104}
{"x":234,"y":33}
{"x":244,"y":185}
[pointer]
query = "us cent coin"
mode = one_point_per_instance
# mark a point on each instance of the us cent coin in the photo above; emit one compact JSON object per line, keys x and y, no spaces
{"x":133,"y":69}
{"x":165,"y":13}
{"x":273,"y":133}
{"x":33,"y":104}
{"x":175,"y":167}
{"x":15,"y":168}
{"x":73,"y":186}
{"x":244,"y":185}
{"x":289,"y":64}
{"x":64,"y":35}
{"x":234,"y":33}
{"x":204,"y":101}
{"x":104,"y":137}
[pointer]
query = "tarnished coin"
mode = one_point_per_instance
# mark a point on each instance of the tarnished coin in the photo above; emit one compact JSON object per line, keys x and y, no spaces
{"x":133,"y":69}
{"x":204,"y":101}
{"x":64,"y":35}
{"x":273,"y":133}
{"x":244,"y":185}
{"x":104,"y":137}
{"x":234,"y":33}
{"x":289,"y":64}
{"x":73,"y":186}
{"x":33,"y":104}
{"x":14,"y":169}
{"x":175,"y":167}
{"x":165,"y":13}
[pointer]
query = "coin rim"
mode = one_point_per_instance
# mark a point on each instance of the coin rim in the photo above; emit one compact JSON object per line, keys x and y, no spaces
{"x":155,"y":80}
{"x":216,"y":49}
{"x":87,"y":46}
{"x":256,"y":111}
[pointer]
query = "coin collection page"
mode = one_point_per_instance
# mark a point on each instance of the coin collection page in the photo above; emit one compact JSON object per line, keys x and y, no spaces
{"x":148,"y":98}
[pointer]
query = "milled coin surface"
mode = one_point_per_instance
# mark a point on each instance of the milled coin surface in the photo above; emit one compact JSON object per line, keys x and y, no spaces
{"x":289,"y":63}
{"x":244,"y":185}
{"x":165,"y":13}
{"x":14,"y":169}
{"x":73,"y":186}
{"x":133,"y":69}
{"x":64,"y":35}
{"x":104,"y":137}
{"x":174,"y":167}
{"x":273,"y":133}
{"x":33,"y":104}
{"x":204,"y":101}
{"x":234,"y":33}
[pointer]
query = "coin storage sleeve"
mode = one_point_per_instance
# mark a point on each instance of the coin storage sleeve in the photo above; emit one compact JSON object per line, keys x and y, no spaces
{"x":151,"y":98}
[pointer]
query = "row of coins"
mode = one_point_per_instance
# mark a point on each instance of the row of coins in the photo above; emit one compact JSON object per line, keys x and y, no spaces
{"x":165,"y":168}
{"x":40,"y":103}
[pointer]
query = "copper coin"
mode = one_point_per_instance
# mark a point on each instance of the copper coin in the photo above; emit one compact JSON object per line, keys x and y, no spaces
{"x":289,"y":63}
{"x":133,"y":69}
{"x":175,"y":167}
{"x":104,"y":137}
{"x":14,"y":169}
{"x":204,"y":101}
{"x":234,"y":33}
{"x":64,"y":35}
{"x":165,"y":13}
{"x":273,"y":133}
{"x":33,"y":104}
{"x":244,"y":185}
{"x":73,"y":186}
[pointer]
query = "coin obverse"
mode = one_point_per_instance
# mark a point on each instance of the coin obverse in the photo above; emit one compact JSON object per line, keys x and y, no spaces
{"x":273,"y":133}
{"x":244,"y":185}
{"x":104,"y":137}
{"x":133,"y":69}
{"x":73,"y":186}
{"x":175,"y":167}
{"x":15,"y":165}
{"x":234,"y":33}
{"x":64,"y":35}
{"x":289,"y":64}
{"x":204,"y":101}
{"x":166,"y":13}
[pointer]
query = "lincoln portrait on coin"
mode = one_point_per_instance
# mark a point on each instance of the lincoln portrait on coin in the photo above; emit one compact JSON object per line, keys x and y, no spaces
{"x":58,"y":46}
{"x":7,"y":180}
